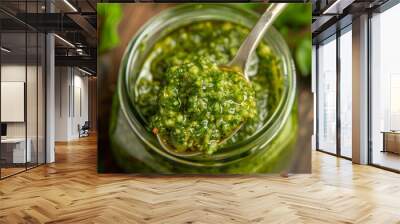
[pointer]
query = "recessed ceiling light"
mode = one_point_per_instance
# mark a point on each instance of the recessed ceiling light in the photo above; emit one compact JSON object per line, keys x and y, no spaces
{"x":5,"y":50}
{"x":337,"y":7}
{"x":84,"y":71}
{"x":65,"y":41}
{"x":70,"y":5}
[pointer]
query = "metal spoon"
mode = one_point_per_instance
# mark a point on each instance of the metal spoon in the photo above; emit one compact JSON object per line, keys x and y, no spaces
{"x":239,"y":62}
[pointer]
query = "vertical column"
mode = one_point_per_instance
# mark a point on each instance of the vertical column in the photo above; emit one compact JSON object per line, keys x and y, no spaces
{"x":338,"y":76}
{"x":1,"y":61}
{"x":50,"y":92}
{"x":314,"y":92}
{"x":50,"y":99}
{"x":360,"y":90}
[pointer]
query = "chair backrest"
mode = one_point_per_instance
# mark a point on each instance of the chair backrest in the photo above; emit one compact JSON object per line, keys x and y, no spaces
{"x":86,"y":124}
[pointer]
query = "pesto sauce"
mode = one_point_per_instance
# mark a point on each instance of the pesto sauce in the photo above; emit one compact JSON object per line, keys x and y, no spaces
{"x":218,"y":42}
{"x":200,"y":105}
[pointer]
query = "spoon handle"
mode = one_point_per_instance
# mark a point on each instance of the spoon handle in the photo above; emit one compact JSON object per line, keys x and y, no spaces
{"x":256,"y":34}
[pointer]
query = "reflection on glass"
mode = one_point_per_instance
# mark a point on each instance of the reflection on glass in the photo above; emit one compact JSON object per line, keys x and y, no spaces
{"x":15,"y":150}
{"x":385,"y":92}
{"x":41,"y":98}
{"x":31,"y":101}
{"x":22,"y":91}
{"x":327,"y":96}
{"x":345,"y":94}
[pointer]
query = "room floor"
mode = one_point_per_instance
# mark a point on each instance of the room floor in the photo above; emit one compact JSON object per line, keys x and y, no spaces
{"x":8,"y":171}
{"x":387,"y":159}
{"x":11,"y":170}
{"x":71,"y":191}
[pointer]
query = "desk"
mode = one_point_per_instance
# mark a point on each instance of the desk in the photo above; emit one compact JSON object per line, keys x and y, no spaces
{"x":391,"y":141}
{"x":16,"y":147}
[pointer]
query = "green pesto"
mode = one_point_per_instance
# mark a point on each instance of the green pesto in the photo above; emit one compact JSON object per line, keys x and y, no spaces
{"x":200,"y":105}
{"x":218,"y":42}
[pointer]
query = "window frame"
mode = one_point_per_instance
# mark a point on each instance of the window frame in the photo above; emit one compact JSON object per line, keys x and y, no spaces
{"x":347,"y":27}
{"x":378,"y":10}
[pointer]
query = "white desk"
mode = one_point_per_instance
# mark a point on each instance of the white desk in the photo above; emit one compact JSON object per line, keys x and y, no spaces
{"x":18,"y":155}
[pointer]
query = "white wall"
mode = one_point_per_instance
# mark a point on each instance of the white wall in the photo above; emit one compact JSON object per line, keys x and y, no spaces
{"x":71,"y":94}
{"x":16,"y":73}
{"x":62,"y":82}
{"x":13,"y":101}
{"x":80,"y":110}
{"x":33,"y":126}
{"x":12,"y":73}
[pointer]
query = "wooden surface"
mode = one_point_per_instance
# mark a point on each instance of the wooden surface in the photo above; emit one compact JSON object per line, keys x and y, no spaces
{"x":71,"y":191}
{"x":10,"y":171}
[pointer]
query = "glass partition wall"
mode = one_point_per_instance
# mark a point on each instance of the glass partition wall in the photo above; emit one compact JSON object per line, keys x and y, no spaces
{"x":326,"y":91}
{"x":334,"y":93}
{"x":385,"y":89}
{"x":22,"y":78}
{"x":345,"y":92}
{"x":334,"y":105}
{"x":14,"y":153}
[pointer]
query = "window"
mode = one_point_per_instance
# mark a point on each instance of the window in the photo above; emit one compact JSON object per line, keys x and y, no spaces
{"x":385,"y":89}
{"x":345,"y":92}
{"x":326,"y":88}
{"x":22,"y":77}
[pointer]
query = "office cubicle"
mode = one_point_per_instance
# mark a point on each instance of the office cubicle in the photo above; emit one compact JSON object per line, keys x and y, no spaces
{"x":22,"y":77}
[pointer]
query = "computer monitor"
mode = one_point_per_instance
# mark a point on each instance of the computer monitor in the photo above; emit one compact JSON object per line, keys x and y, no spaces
{"x":3,"y":129}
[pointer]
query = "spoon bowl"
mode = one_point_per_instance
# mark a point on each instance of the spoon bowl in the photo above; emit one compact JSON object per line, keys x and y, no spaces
{"x":172,"y":151}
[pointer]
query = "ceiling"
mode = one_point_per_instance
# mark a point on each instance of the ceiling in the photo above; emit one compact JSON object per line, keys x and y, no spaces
{"x":329,"y":15}
{"x":57,"y":5}
{"x":16,"y":42}
{"x":74,"y":21}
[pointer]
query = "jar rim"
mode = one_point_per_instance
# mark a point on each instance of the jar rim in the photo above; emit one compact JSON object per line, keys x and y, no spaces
{"x":262,"y":136}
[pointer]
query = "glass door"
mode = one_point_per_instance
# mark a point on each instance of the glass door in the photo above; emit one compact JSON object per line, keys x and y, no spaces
{"x":22,"y":77}
{"x":14,"y":144}
{"x":32,"y":98}
{"x":345,"y":92}
{"x":41,"y":93}
{"x":385,"y":89}
{"x":326,"y":96}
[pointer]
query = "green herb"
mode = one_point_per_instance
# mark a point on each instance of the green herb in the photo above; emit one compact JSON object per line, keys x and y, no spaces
{"x":201,"y":105}
{"x":294,"y":25}
{"x":216,"y":43}
{"x":303,"y":56}
{"x":110,"y":15}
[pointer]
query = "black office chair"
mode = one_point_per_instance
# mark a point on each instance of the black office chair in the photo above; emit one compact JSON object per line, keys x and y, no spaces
{"x":84,"y":130}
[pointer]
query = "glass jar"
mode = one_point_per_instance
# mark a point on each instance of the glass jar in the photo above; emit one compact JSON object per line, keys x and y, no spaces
{"x":137,"y":150}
